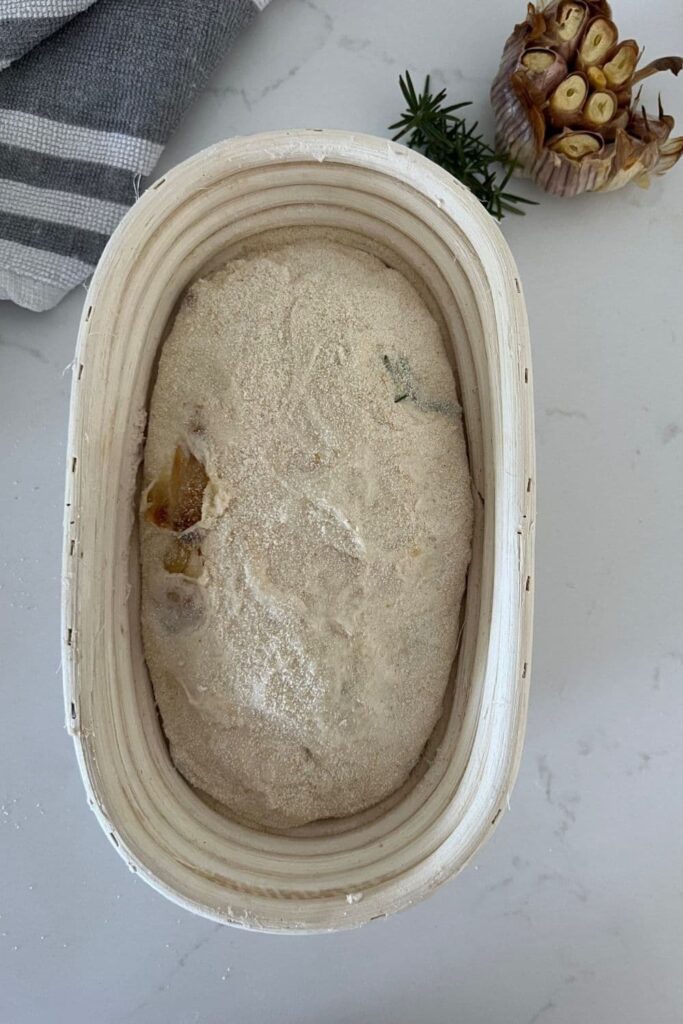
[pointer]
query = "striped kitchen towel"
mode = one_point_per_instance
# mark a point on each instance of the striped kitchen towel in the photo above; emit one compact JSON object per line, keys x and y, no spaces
{"x":89,"y":92}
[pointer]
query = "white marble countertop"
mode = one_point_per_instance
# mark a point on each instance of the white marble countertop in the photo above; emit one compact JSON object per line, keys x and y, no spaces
{"x":574,"y":910}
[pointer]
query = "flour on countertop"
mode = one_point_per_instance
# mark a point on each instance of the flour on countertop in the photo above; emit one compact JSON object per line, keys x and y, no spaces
{"x":302,"y":667}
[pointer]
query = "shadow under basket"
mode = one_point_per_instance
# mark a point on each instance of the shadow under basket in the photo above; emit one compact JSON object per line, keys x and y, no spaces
{"x":329,"y":875}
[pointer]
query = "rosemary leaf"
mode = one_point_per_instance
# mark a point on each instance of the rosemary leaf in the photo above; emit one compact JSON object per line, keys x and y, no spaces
{"x":444,"y":137}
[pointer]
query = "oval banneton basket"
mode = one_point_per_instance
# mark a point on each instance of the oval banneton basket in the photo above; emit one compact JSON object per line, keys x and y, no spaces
{"x":329,"y":875}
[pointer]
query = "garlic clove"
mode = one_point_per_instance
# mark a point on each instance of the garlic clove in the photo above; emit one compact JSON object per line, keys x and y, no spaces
{"x":599,"y":38}
{"x":597,"y":78}
{"x":540,"y":72}
{"x":174,"y":502}
{"x":566,"y":103}
{"x":619,"y":69}
{"x":576,"y":145}
{"x":600,"y":108}
{"x":568,"y":24}
{"x":538,"y":60}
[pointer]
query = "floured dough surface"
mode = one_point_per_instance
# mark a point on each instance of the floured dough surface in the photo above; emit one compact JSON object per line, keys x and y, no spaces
{"x":300,"y":626}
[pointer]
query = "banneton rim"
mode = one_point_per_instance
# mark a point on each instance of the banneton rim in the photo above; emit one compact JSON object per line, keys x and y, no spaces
{"x":338,"y":873}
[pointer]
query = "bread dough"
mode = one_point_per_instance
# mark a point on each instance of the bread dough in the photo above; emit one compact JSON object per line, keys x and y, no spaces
{"x":304,"y":563}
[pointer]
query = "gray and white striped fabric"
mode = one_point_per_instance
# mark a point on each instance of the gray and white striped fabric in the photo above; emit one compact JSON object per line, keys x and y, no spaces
{"x":89,"y":92}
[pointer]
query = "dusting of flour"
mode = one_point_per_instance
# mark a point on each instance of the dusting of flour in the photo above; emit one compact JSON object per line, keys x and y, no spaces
{"x":300,"y":675}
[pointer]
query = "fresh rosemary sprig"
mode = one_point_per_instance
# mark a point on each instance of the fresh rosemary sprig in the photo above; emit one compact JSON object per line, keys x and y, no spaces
{"x":435,"y":130}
